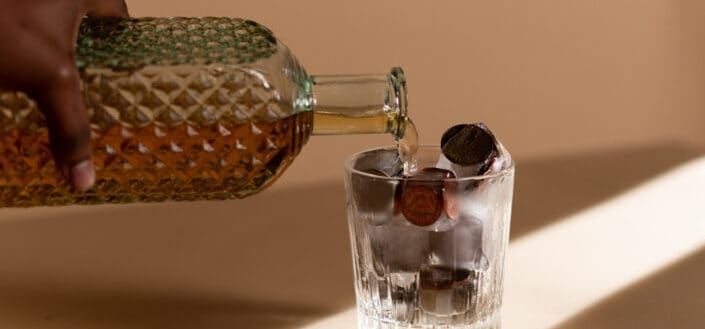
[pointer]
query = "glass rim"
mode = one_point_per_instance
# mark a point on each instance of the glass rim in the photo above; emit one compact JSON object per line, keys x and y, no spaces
{"x":351,"y":159}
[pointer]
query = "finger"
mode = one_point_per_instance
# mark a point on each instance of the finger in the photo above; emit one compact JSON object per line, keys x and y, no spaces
{"x":45,"y":69}
{"x":69,"y":129}
{"x":106,"y":8}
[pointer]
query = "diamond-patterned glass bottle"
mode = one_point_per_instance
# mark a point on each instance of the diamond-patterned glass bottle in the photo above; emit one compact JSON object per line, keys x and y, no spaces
{"x":189,"y":109}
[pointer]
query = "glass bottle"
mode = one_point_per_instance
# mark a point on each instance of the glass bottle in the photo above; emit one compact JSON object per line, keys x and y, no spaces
{"x":189,"y":109}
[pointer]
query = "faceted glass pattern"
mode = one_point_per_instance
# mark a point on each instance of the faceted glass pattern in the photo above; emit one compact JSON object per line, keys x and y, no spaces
{"x":128,"y":44}
{"x":180,"y":109}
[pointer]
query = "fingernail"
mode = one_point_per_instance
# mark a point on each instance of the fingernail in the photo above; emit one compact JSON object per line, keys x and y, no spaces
{"x":83,"y":175}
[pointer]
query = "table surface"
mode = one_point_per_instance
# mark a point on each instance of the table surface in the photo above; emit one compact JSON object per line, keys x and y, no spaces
{"x":615,"y":248}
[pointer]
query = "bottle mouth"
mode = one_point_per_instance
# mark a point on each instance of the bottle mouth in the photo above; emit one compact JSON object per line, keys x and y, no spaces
{"x":399,"y":103}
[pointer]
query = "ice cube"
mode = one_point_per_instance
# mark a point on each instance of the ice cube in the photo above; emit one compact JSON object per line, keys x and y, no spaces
{"x":470,"y":200}
{"x":467,"y":149}
{"x":471,"y":150}
{"x":461,"y":245}
{"x":460,"y":170}
{"x":398,"y":247}
{"x":404,"y":293}
{"x":446,"y":291}
{"x":384,"y":160}
{"x":501,"y":161}
{"x":373,"y":195}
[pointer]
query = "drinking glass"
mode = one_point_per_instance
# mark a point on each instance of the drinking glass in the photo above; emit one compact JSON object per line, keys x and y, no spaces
{"x":427,"y":252}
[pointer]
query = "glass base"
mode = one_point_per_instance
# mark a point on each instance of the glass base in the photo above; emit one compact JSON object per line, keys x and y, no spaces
{"x":367,"y":319}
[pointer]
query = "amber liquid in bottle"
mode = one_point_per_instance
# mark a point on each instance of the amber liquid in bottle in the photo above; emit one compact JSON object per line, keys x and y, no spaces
{"x":178,"y":155}
{"x":151,"y":164}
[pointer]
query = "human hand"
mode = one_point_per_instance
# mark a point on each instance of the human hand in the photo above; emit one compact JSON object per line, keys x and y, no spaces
{"x":37,"y":56}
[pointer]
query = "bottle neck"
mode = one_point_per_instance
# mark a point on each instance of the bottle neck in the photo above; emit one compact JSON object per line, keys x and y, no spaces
{"x":359,"y":104}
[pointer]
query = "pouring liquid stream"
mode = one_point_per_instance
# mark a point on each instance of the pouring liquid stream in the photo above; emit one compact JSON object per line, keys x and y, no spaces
{"x":408,"y":145}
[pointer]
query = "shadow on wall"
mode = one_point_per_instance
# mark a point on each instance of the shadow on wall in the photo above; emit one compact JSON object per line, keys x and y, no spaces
{"x":552,"y":188}
{"x":276,"y":260}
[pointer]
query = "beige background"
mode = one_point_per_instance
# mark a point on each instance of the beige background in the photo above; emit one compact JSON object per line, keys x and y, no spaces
{"x":592,"y":98}
{"x":549,"y":77}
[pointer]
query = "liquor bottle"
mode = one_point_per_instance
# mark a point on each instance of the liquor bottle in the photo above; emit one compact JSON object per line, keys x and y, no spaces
{"x":189,"y":109}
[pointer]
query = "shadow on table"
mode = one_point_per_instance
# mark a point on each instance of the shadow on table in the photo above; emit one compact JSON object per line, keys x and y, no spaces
{"x":277,"y":260}
{"x":100,"y":308}
{"x":672,"y":298}
{"x":551,"y":188}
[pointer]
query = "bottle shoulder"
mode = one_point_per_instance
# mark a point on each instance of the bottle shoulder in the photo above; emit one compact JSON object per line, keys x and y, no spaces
{"x":129,"y":44}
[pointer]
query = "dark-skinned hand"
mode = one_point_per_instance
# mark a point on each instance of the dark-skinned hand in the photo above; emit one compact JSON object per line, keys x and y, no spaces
{"x":38,"y":57}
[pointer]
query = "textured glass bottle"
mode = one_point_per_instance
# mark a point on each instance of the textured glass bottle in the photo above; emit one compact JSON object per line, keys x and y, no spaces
{"x":188,"y":109}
